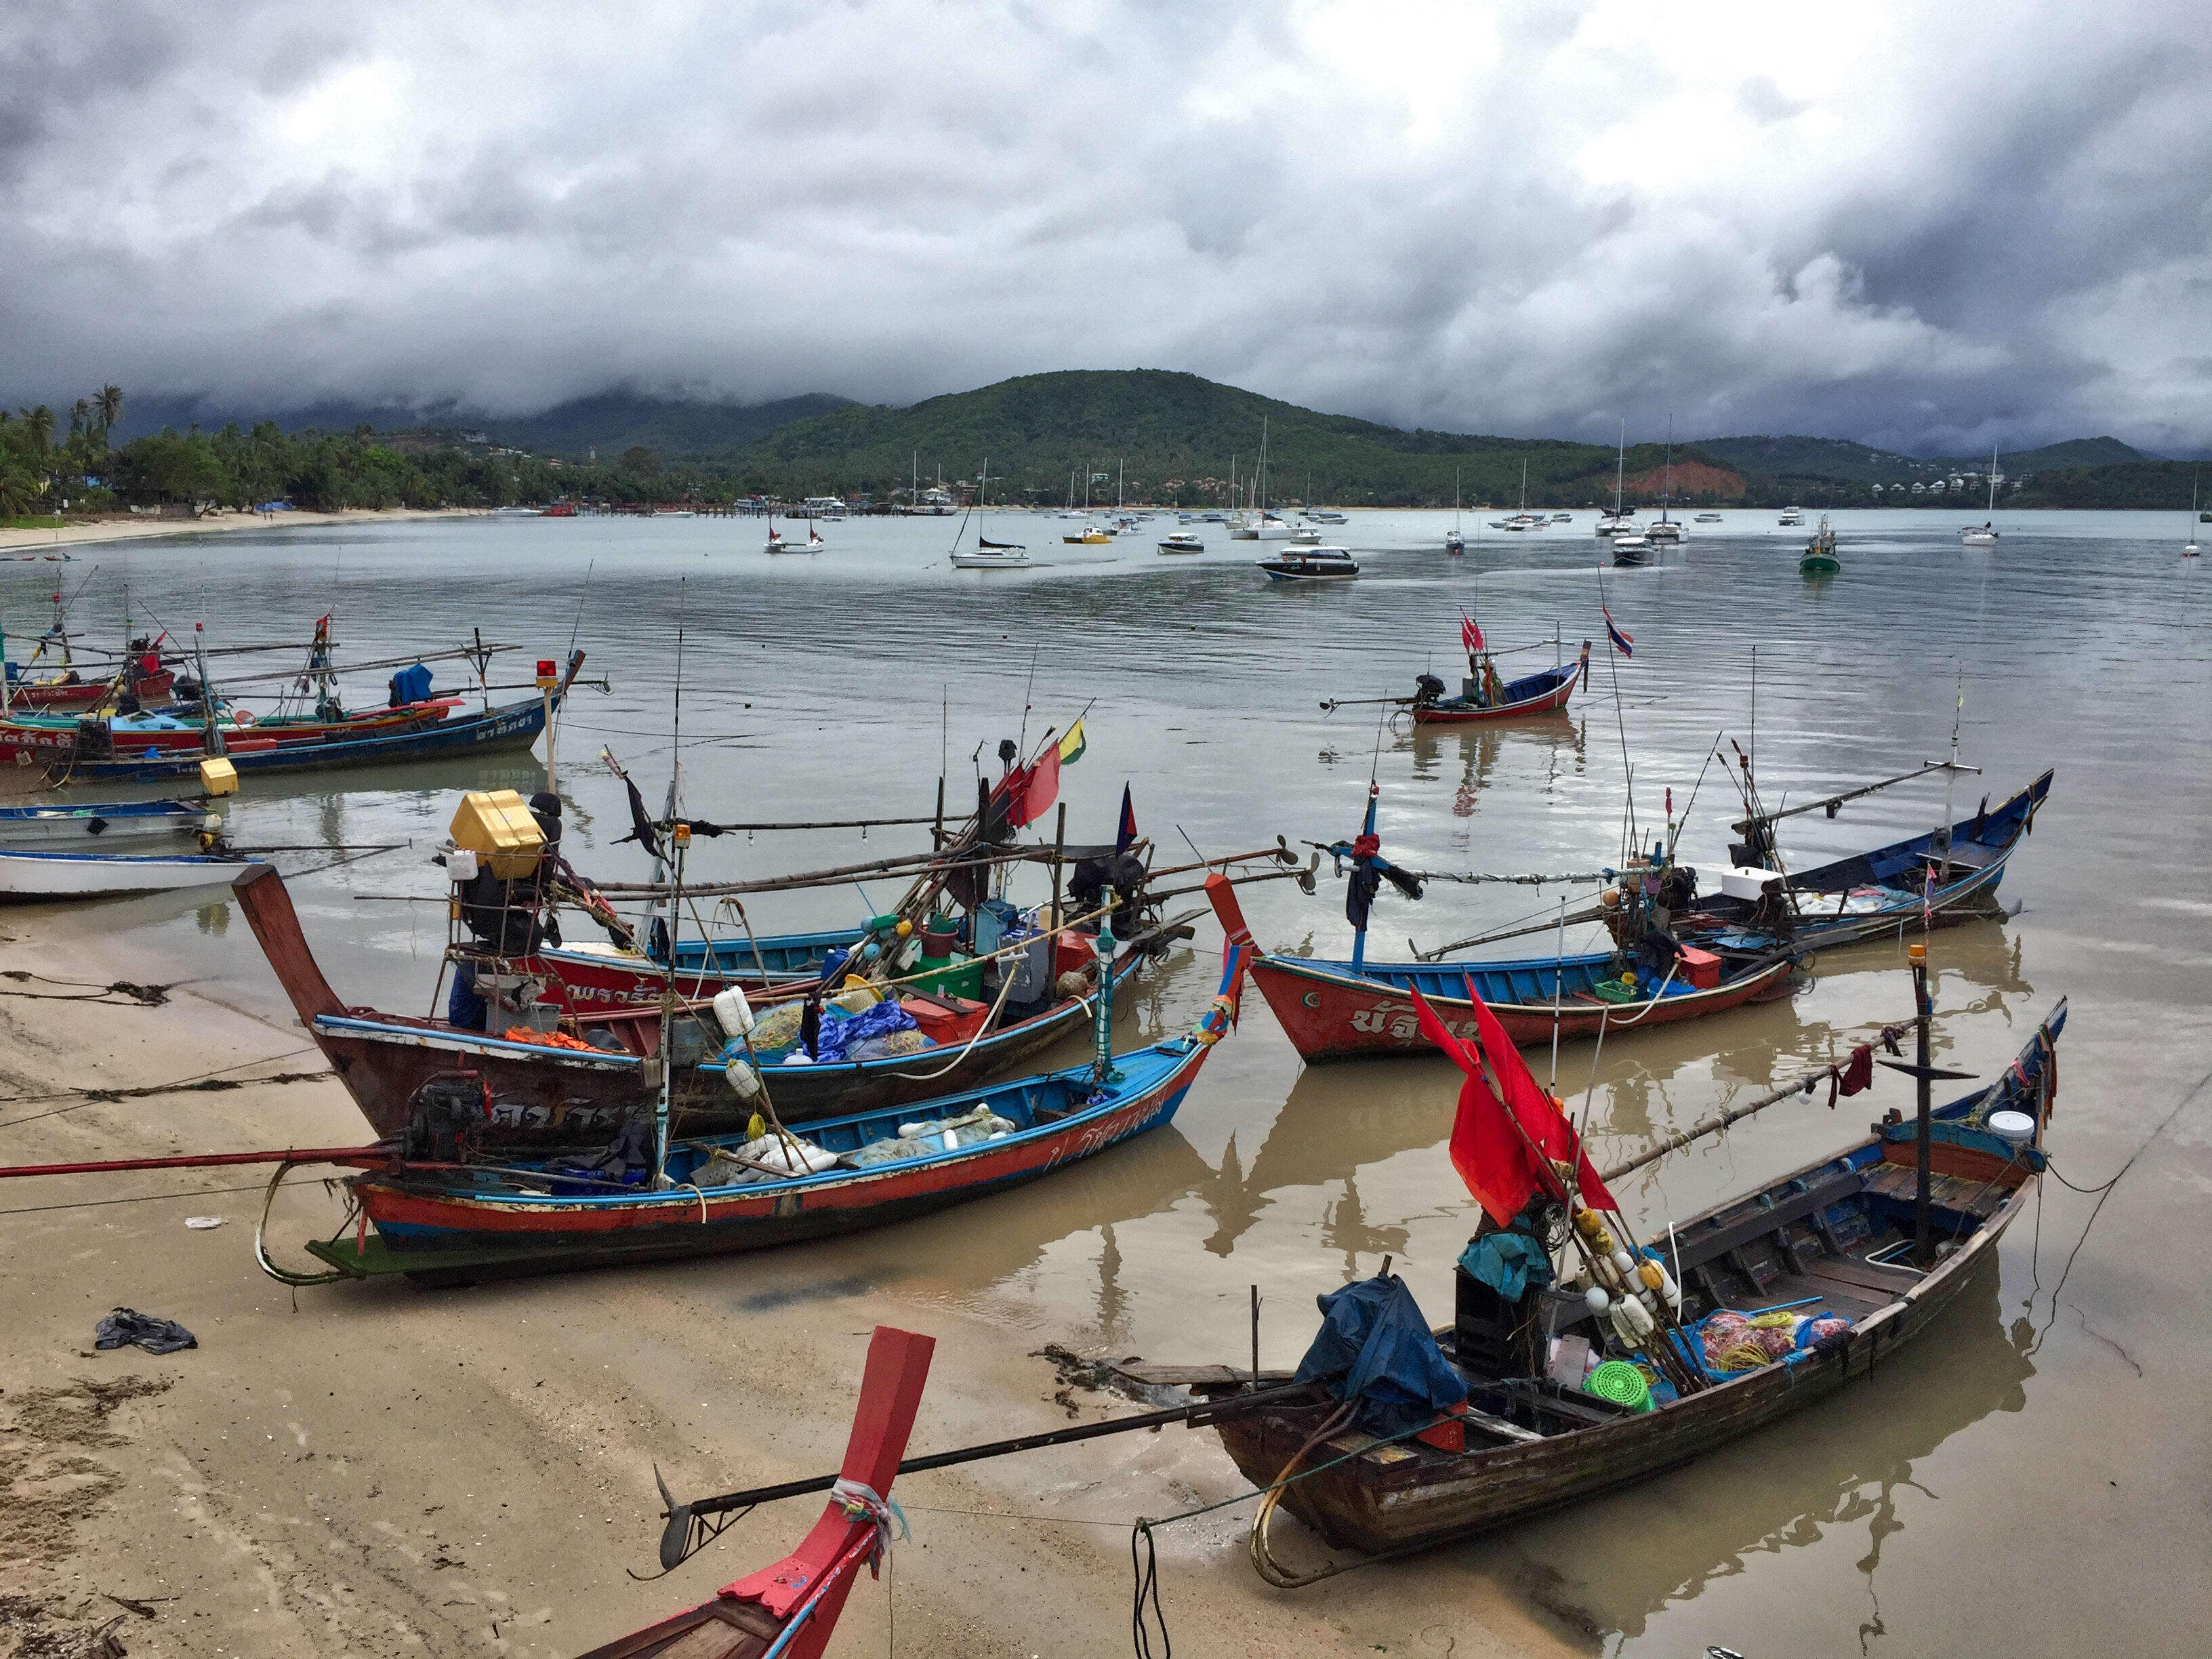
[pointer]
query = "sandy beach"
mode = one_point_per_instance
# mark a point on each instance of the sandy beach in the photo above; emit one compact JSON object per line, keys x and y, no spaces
{"x":375,"y":1469}
{"x":124,"y":527}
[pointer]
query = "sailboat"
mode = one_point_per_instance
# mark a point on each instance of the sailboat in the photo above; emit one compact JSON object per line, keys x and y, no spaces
{"x":1256,"y":523}
{"x":1630,"y":544}
{"x":1454,"y":544}
{"x":2189,"y":547}
{"x":987,"y":554}
{"x":1985,"y":534}
{"x":1667,"y":530}
{"x":1522,"y":519}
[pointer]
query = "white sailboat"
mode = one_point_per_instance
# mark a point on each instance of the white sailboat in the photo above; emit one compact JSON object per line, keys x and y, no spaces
{"x":987,"y":554}
{"x":1630,"y":545}
{"x":779,"y":542}
{"x":1667,"y":530}
{"x":1984,"y":534}
{"x":1454,"y":544}
{"x":1256,"y":523}
{"x":2189,"y":547}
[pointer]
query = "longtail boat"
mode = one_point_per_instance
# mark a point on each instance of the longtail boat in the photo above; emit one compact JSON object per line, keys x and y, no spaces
{"x":1938,"y":879}
{"x":453,"y":1221}
{"x":1484,"y":697}
{"x":496,"y":730}
{"x":1821,"y":1254}
{"x":27,"y":878}
{"x":1332,"y":1009}
{"x":556,"y":1096}
{"x":790,"y":1609}
{"x":102,"y":828}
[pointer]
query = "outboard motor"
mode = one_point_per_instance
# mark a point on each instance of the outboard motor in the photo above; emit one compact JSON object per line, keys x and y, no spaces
{"x":1427,"y":689}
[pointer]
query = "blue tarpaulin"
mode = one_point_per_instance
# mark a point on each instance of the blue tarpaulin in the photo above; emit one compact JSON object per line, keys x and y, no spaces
{"x":838,"y":1036}
{"x":1375,"y":1346}
{"x":1507,"y":1262}
{"x":410,"y":685}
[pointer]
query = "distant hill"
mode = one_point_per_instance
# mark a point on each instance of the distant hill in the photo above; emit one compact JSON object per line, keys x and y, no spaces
{"x":610,"y":422}
{"x":1165,"y":435}
{"x":1844,"y":462}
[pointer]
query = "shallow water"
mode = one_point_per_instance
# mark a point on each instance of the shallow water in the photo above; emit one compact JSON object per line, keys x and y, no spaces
{"x":1957,"y":1494}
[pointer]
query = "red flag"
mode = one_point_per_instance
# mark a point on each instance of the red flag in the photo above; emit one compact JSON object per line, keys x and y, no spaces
{"x":1037,"y":791}
{"x":1492,"y":1155}
{"x":1470,"y":636}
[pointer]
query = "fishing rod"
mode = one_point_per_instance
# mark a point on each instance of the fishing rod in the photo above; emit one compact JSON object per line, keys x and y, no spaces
{"x":1830,"y":804}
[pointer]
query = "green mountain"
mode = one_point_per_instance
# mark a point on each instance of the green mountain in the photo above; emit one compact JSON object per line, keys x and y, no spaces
{"x":1164,"y":436}
{"x":1844,"y":462}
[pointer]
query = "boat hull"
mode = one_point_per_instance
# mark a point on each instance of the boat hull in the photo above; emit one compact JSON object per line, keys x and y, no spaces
{"x":512,"y":726}
{"x":30,"y":878}
{"x":1329,"y":1013}
{"x":1457,"y":713}
{"x":429,"y":1233}
{"x":99,"y":828}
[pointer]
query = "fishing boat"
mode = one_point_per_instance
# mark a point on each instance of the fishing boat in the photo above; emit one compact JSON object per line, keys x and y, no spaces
{"x":498,"y":729}
{"x":1183,"y":541}
{"x":739,"y":1192}
{"x":1945,"y":876}
{"x":1484,"y":696}
{"x":27,"y":878}
{"x":791,"y":1608}
{"x":561,"y":1094}
{"x":1311,"y":564}
{"x":1801,"y":1284}
{"x":1819,"y":558}
{"x":85,"y":829}
{"x":1984,"y":534}
{"x":1332,"y":1009}
{"x":1092,"y":536}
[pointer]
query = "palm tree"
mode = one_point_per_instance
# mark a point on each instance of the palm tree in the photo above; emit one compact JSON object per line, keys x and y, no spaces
{"x":40,"y":423}
{"x":107,"y":403}
{"x":17,"y":491}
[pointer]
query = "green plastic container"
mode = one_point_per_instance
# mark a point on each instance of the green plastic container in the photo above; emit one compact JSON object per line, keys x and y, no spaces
{"x":953,"y":976}
{"x":1620,"y":1382}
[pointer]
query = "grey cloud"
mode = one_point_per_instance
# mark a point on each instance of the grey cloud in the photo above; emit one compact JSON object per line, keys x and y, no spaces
{"x":1539,"y":218}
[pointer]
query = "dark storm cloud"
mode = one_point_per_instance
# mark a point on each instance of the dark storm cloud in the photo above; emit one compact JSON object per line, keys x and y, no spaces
{"x":1904,"y":224}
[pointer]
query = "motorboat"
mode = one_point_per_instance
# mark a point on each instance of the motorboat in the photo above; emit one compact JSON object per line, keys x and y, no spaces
{"x":1792,"y":515}
{"x":1311,"y":564}
{"x":1819,"y":558}
{"x":27,"y":878}
{"x":1562,"y":517}
{"x":1632,"y":547}
{"x":1092,"y":536}
{"x":1183,"y":541}
{"x":1708,"y":518}
{"x":87,"y":828}
{"x":1667,"y":530}
{"x":1325,"y":515}
{"x":1453,"y":542}
{"x":1306,"y":535}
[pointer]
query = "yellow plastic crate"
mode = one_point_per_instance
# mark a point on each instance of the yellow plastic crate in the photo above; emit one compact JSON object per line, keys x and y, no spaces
{"x":218,"y":776}
{"x":496,"y":826}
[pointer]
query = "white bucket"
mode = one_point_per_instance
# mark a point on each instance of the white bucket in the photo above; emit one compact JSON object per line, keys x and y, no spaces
{"x":2015,"y":1128}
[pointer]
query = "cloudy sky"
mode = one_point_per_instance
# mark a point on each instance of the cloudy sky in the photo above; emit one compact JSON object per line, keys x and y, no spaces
{"x":1918,"y":225}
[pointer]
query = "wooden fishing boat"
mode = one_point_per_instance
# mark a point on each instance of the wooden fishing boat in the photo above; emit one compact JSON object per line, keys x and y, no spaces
{"x":789,"y":1610}
{"x":85,"y":829}
{"x":132,"y":734}
{"x":564,"y":1096}
{"x":1828,"y":1238}
{"x":469,"y":1223}
{"x":27,"y":878}
{"x":584,"y":976}
{"x":1872,"y":894}
{"x":497,"y":730}
{"x":1347,"y":1010}
{"x":1533,"y":694}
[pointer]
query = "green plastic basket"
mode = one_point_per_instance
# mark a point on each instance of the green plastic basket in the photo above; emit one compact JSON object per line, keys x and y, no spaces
{"x":1620,"y":1382}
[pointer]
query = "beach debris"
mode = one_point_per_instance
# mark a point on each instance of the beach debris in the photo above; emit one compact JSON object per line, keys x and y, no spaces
{"x":127,"y":1327}
{"x":200,"y":1223}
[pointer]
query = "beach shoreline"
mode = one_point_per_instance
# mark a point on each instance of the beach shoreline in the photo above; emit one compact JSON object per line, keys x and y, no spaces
{"x":122,"y":527}
{"x":362,"y":1469}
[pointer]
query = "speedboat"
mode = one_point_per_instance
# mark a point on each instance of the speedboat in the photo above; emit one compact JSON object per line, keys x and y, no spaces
{"x":1524,"y":521}
{"x":1792,"y":515}
{"x":1453,"y":542}
{"x":1562,"y":517}
{"x":1306,"y":535}
{"x":1708,"y":518}
{"x":1183,"y":541}
{"x":1325,"y":515}
{"x":1311,"y":564}
{"x":1631,"y":546}
{"x":1978,"y":535}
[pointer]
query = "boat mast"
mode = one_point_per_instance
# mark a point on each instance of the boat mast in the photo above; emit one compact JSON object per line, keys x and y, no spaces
{"x":1667,"y":494}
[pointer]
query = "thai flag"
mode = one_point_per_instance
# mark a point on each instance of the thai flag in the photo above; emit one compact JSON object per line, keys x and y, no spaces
{"x":1623,"y":642}
{"x":1470,"y":636}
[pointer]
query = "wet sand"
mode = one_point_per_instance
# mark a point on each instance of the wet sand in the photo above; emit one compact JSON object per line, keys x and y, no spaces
{"x":377,"y":1470}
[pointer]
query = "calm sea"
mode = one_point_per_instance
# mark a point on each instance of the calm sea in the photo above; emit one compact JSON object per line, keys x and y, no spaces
{"x":1944,"y":1501}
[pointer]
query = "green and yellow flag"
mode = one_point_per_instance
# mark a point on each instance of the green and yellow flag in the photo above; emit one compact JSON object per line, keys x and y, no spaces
{"x":1071,"y":746}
